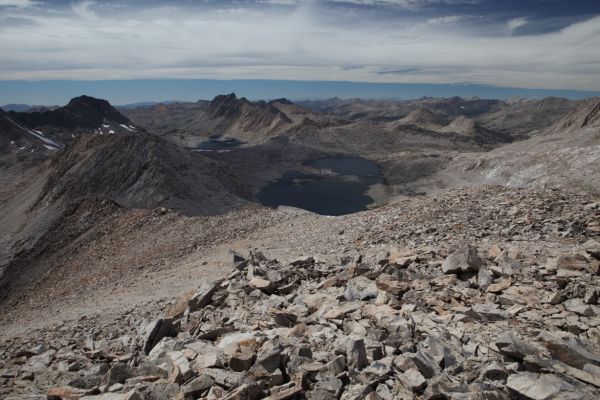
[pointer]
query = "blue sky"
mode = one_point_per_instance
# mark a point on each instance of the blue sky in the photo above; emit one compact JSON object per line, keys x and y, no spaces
{"x":483,"y":44}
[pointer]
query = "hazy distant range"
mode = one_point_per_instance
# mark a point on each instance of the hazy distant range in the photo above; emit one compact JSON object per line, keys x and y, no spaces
{"x":132,"y":91}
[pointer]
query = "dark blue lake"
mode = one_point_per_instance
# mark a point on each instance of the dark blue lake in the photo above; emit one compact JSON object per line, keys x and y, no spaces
{"x":216,"y":143}
{"x":338,"y":186}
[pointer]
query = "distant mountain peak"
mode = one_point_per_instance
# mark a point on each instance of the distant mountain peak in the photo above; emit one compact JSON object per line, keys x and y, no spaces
{"x":283,"y":100}
{"x":462,"y":125}
{"x":225,"y":105}
{"x":95,"y":110}
{"x":87,"y":101}
{"x":83,"y":114}
{"x":224,"y":97}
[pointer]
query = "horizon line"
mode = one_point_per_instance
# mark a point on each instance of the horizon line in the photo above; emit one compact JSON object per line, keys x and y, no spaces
{"x":131,"y":91}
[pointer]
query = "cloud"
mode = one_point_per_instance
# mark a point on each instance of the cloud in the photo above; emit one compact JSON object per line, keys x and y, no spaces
{"x":89,"y":41}
{"x":83,"y":9}
{"x":515,"y":23}
{"x":413,"y":4}
{"x":17,"y":3}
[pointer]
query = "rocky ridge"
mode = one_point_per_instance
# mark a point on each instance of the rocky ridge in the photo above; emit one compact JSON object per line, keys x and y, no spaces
{"x":226,"y":115}
{"x":54,"y":128}
{"x":497,"y":299}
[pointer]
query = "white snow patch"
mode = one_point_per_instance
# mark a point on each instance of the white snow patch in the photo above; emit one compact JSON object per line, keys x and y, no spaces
{"x":105,"y":126}
{"x":128,"y":128}
{"x":111,"y":131}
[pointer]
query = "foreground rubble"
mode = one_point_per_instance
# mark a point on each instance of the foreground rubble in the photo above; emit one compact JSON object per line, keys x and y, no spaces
{"x":486,"y":294}
{"x":424,"y":323}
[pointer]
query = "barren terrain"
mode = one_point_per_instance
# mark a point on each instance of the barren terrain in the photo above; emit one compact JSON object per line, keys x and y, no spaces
{"x":135,"y":268}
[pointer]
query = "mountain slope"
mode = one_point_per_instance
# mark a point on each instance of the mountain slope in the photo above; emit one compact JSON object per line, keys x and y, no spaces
{"x":565,"y":155}
{"x":130,"y":170}
{"x":470,"y":128}
{"x":586,"y":116}
{"x":524,"y":117}
{"x":142,"y":171}
{"x":91,"y":183}
{"x":18,"y":140}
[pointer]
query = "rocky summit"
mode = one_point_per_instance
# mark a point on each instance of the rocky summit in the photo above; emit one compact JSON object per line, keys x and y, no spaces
{"x":472,"y":294}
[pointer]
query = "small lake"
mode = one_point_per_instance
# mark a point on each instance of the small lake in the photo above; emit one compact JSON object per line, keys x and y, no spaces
{"x":217,"y":143}
{"x":338,"y":186}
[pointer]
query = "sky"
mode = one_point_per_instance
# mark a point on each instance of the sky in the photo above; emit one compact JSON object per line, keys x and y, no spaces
{"x":397,"y":46}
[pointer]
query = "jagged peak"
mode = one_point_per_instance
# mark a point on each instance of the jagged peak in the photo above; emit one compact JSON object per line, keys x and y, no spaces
{"x":224,"y":97}
{"x":225,"y":105}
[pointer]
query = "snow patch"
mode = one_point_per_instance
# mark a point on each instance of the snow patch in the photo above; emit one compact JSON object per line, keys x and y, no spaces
{"x":127,"y":127}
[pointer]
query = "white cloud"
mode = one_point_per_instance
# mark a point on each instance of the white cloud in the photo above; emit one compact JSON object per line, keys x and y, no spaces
{"x":515,"y":23}
{"x":17,"y":3}
{"x":450,"y":20}
{"x":87,"y":42}
{"x":83,"y":9}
